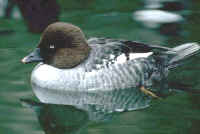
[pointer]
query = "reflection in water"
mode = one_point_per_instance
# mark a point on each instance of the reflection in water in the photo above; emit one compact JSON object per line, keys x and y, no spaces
{"x":62,"y":119}
{"x":58,"y":119}
{"x":172,"y":115}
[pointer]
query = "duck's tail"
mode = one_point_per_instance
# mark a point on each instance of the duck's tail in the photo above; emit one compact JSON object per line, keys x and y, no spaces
{"x":182,"y":52}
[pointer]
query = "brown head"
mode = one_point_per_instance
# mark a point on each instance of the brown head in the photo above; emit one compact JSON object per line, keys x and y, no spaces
{"x":62,"y":45}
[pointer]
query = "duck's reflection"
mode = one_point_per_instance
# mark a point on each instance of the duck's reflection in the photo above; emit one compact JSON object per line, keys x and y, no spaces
{"x":58,"y":119}
{"x":62,"y":119}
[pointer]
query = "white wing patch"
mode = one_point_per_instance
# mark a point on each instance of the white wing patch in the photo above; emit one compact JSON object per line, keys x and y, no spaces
{"x":139,"y":55}
{"x":122,"y":58}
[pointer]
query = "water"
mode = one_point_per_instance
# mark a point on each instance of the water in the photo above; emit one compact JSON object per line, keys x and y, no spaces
{"x":176,"y":114}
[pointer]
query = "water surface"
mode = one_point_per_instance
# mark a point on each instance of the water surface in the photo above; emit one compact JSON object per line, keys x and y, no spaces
{"x":175,"y":114}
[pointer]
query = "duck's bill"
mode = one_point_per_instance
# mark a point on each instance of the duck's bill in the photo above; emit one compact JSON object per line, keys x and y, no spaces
{"x":33,"y":57}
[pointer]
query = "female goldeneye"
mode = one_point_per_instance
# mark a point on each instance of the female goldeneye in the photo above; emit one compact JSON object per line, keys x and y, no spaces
{"x":110,"y":74}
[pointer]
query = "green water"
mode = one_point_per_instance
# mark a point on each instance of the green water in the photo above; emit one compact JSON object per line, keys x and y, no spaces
{"x":176,"y":114}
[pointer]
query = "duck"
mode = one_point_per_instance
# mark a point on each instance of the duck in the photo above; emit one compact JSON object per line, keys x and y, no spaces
{"x":110,"y":74}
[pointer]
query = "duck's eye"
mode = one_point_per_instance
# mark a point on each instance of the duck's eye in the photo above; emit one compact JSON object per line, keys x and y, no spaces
{"x":51,"y":46}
